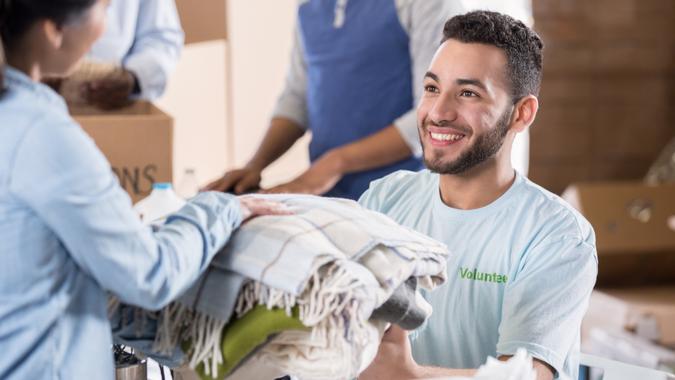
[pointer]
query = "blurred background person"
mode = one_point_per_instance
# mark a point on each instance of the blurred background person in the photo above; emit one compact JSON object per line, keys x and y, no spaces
{"x":133,"y":59}
{"x":352,"y":83}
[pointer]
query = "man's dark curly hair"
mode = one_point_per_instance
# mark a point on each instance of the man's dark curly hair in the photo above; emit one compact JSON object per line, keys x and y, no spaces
{"x":521,"y":44}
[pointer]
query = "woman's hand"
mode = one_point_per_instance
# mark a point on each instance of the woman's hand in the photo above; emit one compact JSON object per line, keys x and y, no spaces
{"x":252,"y":206}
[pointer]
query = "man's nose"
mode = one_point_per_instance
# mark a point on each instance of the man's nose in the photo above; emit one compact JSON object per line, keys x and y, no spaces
{"x":444,"y":110}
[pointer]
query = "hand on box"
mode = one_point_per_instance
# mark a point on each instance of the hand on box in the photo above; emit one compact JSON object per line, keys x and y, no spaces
{"x":253,"y":206}
{"x":237,"y":181}
{"x":101,"y":84}
{"x":110,"y":92}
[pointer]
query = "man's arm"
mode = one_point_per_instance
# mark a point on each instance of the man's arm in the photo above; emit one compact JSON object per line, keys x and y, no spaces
{"x":280,"y":136}
{"x":394,"y":361}
{"x":543,"y":370}
{"x":379,"y":149}
{"x":288,"y":124}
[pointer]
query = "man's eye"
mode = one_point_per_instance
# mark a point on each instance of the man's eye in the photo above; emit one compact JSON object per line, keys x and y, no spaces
{"x":430,"y":88}
{"x":467,"y":93}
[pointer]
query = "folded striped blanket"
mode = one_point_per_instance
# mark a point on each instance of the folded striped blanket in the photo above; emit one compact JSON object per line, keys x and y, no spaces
{"x":331,"y":262}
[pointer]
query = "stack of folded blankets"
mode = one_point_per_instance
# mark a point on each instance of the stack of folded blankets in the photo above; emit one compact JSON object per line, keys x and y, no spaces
{"x":309,"y":294}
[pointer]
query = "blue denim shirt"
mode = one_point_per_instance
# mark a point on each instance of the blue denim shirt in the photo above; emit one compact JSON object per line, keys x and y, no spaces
{"x":68,"y":235}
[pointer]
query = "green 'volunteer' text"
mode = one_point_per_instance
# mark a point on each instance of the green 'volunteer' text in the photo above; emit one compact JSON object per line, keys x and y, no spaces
{"x":475,"y":275}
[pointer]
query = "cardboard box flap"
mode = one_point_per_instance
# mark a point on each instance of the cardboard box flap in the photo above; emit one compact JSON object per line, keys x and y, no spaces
{"x":648,"y":311}
{"x":627,"y":216}
{"x":203,"y":20}
{"x":142,"y":108}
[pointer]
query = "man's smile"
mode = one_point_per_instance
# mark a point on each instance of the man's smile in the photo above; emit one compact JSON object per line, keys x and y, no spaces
{"x":440,"y":136}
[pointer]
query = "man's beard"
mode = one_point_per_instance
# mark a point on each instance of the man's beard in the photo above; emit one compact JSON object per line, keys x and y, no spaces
{"x":486,"y":146}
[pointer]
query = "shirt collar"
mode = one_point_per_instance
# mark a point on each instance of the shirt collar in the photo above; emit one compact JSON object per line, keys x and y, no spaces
{"x":496,"y":205}
{"x":17,"y":80}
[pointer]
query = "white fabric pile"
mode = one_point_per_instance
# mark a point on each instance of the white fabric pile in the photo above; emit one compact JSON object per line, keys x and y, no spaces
{"x":335,"y":262}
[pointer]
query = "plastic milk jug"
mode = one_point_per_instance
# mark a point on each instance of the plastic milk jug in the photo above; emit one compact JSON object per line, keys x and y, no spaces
{"x":161,"y":202}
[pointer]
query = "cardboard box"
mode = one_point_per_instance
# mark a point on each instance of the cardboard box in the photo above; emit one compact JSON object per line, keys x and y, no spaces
{"x":636,"y":245}
{"x":203,"y":20}
{"x":628,"y":348}
{"x":648,"y":312}
{"x":137,"y":141}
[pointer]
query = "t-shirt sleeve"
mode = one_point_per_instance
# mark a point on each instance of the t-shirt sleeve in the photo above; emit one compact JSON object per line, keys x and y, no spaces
{"x":547,"y":298}
{"x":292,"y":102}
{"x":368,"y":199}
{"x":374,"y":197}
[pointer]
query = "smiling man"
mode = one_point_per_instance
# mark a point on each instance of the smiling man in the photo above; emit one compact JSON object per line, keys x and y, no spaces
{"x":525,"y":262}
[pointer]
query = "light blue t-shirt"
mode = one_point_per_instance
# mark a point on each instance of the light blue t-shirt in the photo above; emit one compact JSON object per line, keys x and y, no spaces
{"x":522,"y":272}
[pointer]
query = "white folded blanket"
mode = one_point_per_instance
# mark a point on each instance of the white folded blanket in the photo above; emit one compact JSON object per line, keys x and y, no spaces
{"x":333,"y":260}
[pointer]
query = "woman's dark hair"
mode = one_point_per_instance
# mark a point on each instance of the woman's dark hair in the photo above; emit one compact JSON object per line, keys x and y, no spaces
{"x":17,"y":16}
{"x":521,"y":44}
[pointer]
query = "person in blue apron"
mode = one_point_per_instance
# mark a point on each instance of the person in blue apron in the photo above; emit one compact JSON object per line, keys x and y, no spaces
{"x":355,"y":74}
{"x":69,"y":234}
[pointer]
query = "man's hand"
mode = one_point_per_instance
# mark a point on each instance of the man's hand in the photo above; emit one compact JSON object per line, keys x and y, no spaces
{"x":252,"y":207}
{"x":394,"y":361}
{"x":320,"y":178}
{"x":544,"y":370}
{"x":394,"y":358}
{"x":237,"y":181}
{"x":110,"y":92}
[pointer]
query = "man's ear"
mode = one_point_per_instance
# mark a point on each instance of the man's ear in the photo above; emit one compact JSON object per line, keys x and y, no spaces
{"x":53,"y":34}
{"x":524,"y":112}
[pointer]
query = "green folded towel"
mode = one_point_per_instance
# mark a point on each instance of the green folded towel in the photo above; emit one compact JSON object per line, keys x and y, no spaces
{"x":243,"y":335}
